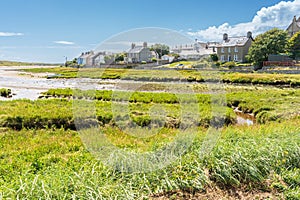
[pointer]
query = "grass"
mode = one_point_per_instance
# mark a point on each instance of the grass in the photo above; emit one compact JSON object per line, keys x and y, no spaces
{"x":292,"y":80}
{"x":54,"y":164}
{"x":42,"y":157}
{"x":267,"y":104}
{"x":4,"y":92}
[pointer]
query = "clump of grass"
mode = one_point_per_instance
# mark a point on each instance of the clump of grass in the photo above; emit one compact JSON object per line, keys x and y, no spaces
{"x":5,"y":92}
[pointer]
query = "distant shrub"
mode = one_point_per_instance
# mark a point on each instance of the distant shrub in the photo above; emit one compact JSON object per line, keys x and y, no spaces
{"x":214,"y":57}
{"x":5,"y":92}
{"x":230,"y":64}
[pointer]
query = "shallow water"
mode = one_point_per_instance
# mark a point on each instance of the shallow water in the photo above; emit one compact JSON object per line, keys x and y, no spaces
{"x":31,"y":87}
{"x":244,"y":118}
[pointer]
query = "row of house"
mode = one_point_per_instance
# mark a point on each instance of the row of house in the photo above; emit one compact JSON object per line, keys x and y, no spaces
{"x":91,"y":58}
{"x":229,"y":49}
{"x":136,"y":54}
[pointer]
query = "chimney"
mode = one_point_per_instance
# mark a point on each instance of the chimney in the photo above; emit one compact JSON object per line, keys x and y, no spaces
{"x":132,"y":46}
{"x":225,"y":37}
{"x":295,"y":19}
{"x":249,"y":34}
{"x":145,"y":44}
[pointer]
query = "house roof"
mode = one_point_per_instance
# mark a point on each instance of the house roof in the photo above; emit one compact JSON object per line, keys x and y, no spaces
{"x":234,"y":41}
{"x":194,"y":52}
{"x":85,"y":55}
{"x":136,"y":49}
{"x":96,"y":55}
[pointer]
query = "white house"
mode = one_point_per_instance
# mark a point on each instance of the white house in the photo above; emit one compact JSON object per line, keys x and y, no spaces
{"x":194,"y":51}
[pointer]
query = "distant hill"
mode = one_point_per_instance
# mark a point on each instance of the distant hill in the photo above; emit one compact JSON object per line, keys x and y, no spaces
{"x":14,"y":63}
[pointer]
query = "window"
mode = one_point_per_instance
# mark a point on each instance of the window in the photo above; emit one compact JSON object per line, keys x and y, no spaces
{"x":229,"y":50}
{"x":235,"y":57}
{"x":222,"y":58}
{"x":222,"y":50}
{"x":236,"y":49}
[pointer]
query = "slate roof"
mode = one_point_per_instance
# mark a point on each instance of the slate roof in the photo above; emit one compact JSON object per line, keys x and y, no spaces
{"x":234,"y":41}
{"x":86,"y":55}
{"x":136,"y":49}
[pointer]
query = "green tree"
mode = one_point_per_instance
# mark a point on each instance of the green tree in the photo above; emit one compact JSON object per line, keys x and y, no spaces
{"x":294,"y":45}
{"x":214,"y":57}
{"x":120,"y":57}
{"x":161,"y":49}
{"x":273,"y":41}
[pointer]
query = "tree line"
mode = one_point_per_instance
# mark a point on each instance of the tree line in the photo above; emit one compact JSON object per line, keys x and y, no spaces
{"x":274,"y":41}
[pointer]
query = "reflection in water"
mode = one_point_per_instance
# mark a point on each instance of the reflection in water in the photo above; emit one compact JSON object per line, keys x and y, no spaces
{"x":242,"y":121}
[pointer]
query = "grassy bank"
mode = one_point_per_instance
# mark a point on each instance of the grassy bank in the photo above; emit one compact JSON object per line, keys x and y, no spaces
{"x":54,"y":164}
{"x":292,"y":80}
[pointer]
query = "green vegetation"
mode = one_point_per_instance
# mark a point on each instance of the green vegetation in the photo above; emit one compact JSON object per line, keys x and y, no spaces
{"x":160,"y":49}
{"x":54,"y":164}
{"x":5,"y":92}
{"x":42,"y":157}
{"x":271,"y":42}
{"x":294,"y":45}
{"x":267,"y":104}
{"x":292,"y":80}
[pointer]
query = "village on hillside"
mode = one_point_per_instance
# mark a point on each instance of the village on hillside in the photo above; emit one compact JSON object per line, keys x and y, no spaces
{"x":229,"y":49}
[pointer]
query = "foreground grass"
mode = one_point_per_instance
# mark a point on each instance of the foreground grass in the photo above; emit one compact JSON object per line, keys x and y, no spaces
{"x":54,"y":164}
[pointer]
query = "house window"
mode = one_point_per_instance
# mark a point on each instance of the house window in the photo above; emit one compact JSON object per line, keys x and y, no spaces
{"x":222,"y":58}
{"x":229,"y":50}
{"x":235,"y":57}
{"x":222,"y":50}
{"x":236,"y":49}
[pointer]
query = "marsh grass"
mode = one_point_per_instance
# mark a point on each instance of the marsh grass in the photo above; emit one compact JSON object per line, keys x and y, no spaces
{"x":194,"y":75}
{"x":54,"y":164}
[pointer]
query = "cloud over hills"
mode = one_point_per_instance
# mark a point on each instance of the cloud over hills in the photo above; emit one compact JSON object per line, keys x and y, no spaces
{"x":279,"y":15}
{"x":8,"y":34}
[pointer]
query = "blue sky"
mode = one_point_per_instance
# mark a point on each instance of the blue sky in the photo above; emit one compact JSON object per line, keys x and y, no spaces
{"x":49,"y":30}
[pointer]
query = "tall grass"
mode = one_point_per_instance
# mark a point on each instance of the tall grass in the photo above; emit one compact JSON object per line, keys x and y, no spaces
{"x":54,"y":164}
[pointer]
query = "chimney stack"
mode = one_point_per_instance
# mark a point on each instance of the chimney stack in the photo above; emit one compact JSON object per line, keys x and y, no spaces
{"x":145,"y":44}
{"x":132,"y":46}
{"x":249,"y":34}
{"x":225,"y":37}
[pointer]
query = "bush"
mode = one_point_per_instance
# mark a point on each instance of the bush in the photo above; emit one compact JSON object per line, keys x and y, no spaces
{"x":5,"y":92}
{"x":214,"y":57}
{"x":230,"y":64}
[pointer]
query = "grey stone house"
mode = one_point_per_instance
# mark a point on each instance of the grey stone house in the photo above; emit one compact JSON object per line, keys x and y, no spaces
{"x":137,"y":54}
{"x":234,"y":48}
{"x":294,"y":27}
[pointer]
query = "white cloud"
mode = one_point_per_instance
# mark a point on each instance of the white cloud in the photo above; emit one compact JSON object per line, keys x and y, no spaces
{"x":279,"y":15}
{"x":64,"y":42}
{"x":8,"y":34}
